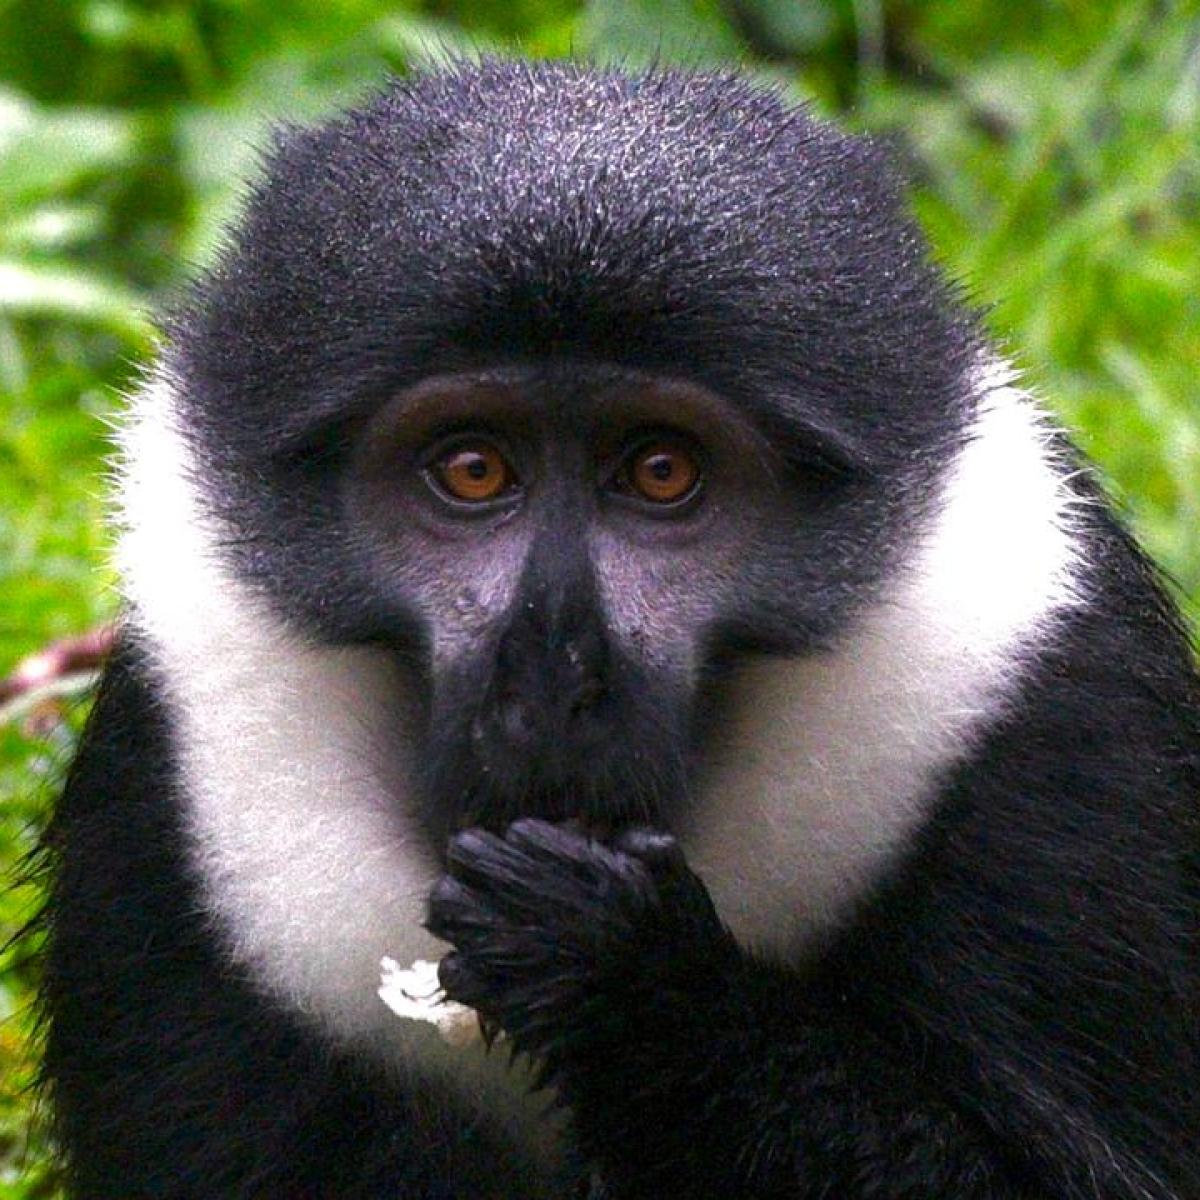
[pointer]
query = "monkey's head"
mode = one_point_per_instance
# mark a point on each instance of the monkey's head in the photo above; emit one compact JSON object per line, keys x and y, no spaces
{"x":569,"y":389}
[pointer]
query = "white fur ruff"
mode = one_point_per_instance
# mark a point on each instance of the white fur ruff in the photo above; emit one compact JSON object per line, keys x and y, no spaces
{"x":294,"y":763}
{"x":827,"y":765}
{"x":295,"y":756}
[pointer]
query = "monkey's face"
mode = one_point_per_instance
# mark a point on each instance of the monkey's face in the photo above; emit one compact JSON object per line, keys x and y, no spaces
{"x":569,"y":395}
{"x":571,"y":542}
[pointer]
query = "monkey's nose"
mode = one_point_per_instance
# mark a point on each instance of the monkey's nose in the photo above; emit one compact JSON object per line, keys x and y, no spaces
{"x":586,"y":696}
{"x":547,"y":702}
{"x":516,"y":717}
{"x":544,"y":696}
{"x":581,"y":678}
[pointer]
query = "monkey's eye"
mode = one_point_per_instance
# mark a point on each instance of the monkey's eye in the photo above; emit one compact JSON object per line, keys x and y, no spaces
{"x":472,"y":471}
{"x":663,"y":471}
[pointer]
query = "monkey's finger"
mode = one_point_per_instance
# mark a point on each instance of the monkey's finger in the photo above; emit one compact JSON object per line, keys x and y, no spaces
{"x":458,"y":915}
{"x":599,"y":867}
{"x":542,"y":875}
{"x":495,"y":871}
{"x":462,"y":981}
{"x":502,"y":867}
{"x":564,"y":846}
{"x":457,"y":980}
{"x":654,"y":847}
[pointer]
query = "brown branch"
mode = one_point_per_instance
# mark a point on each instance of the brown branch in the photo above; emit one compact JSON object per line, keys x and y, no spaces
{"x":68,"y":656}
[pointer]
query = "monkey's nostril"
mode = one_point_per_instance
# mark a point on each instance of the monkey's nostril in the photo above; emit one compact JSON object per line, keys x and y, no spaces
{"x":587,"y":696}
{"x":516,"y":716}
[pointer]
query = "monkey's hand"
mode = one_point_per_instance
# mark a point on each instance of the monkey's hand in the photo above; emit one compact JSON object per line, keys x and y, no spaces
{"x":574,"y":947}
{"x":689,"y":1067}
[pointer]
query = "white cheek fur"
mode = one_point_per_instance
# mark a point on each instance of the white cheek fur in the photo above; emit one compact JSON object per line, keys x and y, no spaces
{"x":294,"y":755}
{"x":790,"y":829}
{"x":295,"y":778}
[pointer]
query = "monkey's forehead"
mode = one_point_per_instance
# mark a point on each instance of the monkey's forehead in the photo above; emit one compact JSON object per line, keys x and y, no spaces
{"x":689,"y":224}
{"x":643,"y":189}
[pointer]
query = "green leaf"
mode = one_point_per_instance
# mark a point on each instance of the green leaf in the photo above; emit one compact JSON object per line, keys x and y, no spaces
{"x":28,"y":289}
{"x":691,"y":32}
{"x":44,"y":152}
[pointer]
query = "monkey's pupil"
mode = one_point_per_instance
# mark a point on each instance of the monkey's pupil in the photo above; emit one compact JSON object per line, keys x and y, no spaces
{"x":477,"y":468}
{"x":662,"y":467}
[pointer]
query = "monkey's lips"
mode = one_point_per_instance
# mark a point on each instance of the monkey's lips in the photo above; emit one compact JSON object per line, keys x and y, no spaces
{"x":600,"y":826}
{"x":617,"y":769}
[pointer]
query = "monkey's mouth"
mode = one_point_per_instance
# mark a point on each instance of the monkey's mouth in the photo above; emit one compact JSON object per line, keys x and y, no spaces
{"x":605,"y":793}
{"x":596,"y":816}
{"x":624,"y":763}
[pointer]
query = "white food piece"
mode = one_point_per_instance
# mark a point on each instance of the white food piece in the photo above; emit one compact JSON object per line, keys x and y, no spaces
{"x":414,"y":993}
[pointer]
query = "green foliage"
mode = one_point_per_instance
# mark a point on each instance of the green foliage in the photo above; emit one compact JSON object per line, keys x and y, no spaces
{"x":1053,"y":150}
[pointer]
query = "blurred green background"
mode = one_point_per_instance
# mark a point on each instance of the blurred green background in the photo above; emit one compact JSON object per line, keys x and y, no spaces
{"x":1053,"y":147}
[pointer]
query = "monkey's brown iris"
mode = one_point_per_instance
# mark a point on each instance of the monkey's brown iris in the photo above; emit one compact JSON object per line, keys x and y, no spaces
{"x":663,"y":472}
{"x":474,"y":472}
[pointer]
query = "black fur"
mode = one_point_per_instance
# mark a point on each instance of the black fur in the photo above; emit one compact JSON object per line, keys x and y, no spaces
{"x":1014,"y":1012}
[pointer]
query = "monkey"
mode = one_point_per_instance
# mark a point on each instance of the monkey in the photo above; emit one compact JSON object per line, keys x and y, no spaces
{"x":575,"y":533}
